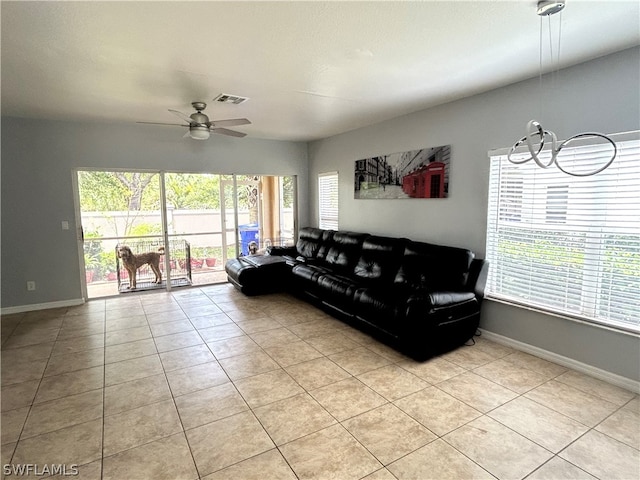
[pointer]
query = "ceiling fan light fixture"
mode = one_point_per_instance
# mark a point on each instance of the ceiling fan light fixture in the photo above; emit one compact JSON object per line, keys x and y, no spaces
{"x":198,"y":132}
{"x":549,"y":7}
{"x":200,"y":127}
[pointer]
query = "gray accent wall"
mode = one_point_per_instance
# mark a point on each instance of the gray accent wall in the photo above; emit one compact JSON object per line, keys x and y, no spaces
{"x":38,"y":163}
{"x":600,"y":95}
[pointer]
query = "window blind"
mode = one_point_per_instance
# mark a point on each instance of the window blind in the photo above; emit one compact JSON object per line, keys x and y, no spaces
{"x":565,"y":244}
{"x":328,"y":200}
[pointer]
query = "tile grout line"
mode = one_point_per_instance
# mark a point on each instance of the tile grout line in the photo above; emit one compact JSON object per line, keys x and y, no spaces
{"x":305,"y":391}
{"x":19,"y":437}
{"x":104,"y":395}
{"x":175,"y":406}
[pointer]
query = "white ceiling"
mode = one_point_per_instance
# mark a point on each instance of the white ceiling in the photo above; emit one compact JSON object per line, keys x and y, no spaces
{"x":310,"y":69}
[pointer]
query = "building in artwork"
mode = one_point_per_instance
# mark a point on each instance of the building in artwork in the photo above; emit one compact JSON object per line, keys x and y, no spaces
{"x":372,"y":173}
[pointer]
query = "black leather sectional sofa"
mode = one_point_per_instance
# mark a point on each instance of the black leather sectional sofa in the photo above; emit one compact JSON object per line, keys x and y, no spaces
{"x":423,"y":298}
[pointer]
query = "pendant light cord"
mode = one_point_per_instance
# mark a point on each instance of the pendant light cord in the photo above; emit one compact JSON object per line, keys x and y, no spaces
{"x":540,"y":71}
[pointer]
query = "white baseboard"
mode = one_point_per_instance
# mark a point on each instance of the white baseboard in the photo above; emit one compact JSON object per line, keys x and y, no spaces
{"x":42,"y":306}
{"x":618,"y":380}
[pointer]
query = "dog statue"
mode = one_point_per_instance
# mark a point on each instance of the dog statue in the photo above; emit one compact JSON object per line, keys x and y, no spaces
{"x":133,"y":262}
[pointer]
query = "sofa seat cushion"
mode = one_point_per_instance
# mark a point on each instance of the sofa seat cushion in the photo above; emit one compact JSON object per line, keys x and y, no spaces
{"x":263,"y":260}
{"x":257,"y":274}
{"x":308,"y":272}
{"x":336,"y":289}
{"x":383,"y":307}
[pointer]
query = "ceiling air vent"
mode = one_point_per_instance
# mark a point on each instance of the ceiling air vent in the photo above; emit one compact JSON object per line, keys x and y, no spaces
{"x":226,"y":98}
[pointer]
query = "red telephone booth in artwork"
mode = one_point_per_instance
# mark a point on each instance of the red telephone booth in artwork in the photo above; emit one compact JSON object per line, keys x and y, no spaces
{"x":409,"y":184}
{"x":426,"y":182}
{"x":434,"y":180}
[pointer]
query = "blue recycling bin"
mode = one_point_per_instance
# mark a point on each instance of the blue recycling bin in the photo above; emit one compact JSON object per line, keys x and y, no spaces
{"x":248,"y":233}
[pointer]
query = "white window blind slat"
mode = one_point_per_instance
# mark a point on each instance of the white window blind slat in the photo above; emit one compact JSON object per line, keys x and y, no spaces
{"x":328,"y":200}
{"x":569,"y":245}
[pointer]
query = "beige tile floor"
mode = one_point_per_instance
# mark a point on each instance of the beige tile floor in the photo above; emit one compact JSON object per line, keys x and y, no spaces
{"x":206,"y":383}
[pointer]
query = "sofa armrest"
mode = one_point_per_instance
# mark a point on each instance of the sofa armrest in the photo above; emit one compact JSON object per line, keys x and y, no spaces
{"x":429,"y":301}
{"x":478,"y":277}
{"x":279,"y":251}
{"x":428,"y":310}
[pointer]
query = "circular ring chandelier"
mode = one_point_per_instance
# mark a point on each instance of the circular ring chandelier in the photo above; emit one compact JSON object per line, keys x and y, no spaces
{"x":534,"y":129}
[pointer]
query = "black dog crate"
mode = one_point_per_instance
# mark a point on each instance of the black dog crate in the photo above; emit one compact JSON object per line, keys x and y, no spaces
{"x":180,"y":265}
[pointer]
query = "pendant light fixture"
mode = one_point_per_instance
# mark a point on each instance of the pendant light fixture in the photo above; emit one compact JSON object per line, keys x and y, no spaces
{"x":549,"y":7}
{"x":535,"y":132}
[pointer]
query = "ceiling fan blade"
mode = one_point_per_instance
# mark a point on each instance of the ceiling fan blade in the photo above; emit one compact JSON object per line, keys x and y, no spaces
{"x":233,"y":122}
{"x":231,"y":133}
{"x":184,"y":117}
{"x":171,"y":124}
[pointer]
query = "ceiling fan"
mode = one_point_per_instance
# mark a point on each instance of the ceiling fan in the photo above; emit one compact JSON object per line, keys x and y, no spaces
{"x":200,"y":126}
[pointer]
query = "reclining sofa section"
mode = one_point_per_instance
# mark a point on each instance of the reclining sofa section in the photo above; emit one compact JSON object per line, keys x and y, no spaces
{"x":422,"y":298}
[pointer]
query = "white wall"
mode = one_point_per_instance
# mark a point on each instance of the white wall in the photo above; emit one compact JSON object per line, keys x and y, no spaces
{"x":38,"y":160}
{"x":601,"y":95}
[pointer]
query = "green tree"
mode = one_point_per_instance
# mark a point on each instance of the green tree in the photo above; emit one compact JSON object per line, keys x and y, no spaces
{"x":101,"y":191}
{"x":248,"y":195}
{"x":119,"y":191}
{"x":287,"y":192}
{"x":135,"y":184}
{"x":193,"y":191}
{"x":109,"y":191}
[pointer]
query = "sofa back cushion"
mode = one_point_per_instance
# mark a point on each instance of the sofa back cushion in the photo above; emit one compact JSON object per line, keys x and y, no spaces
{"x":326,"y":241}
{"x":380,"y":259}
{"x":428,"y":266}
{"x":344,"y":251}
{"x":309,"y":242}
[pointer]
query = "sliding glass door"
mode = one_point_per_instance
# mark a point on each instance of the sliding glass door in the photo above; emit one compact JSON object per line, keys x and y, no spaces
{"x":194,"y":218}
{"x":195,"y":222}
{"x":117,"y":209}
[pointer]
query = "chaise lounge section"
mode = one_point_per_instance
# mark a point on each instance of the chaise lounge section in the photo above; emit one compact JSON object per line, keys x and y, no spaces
{"x":423,"y":299}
